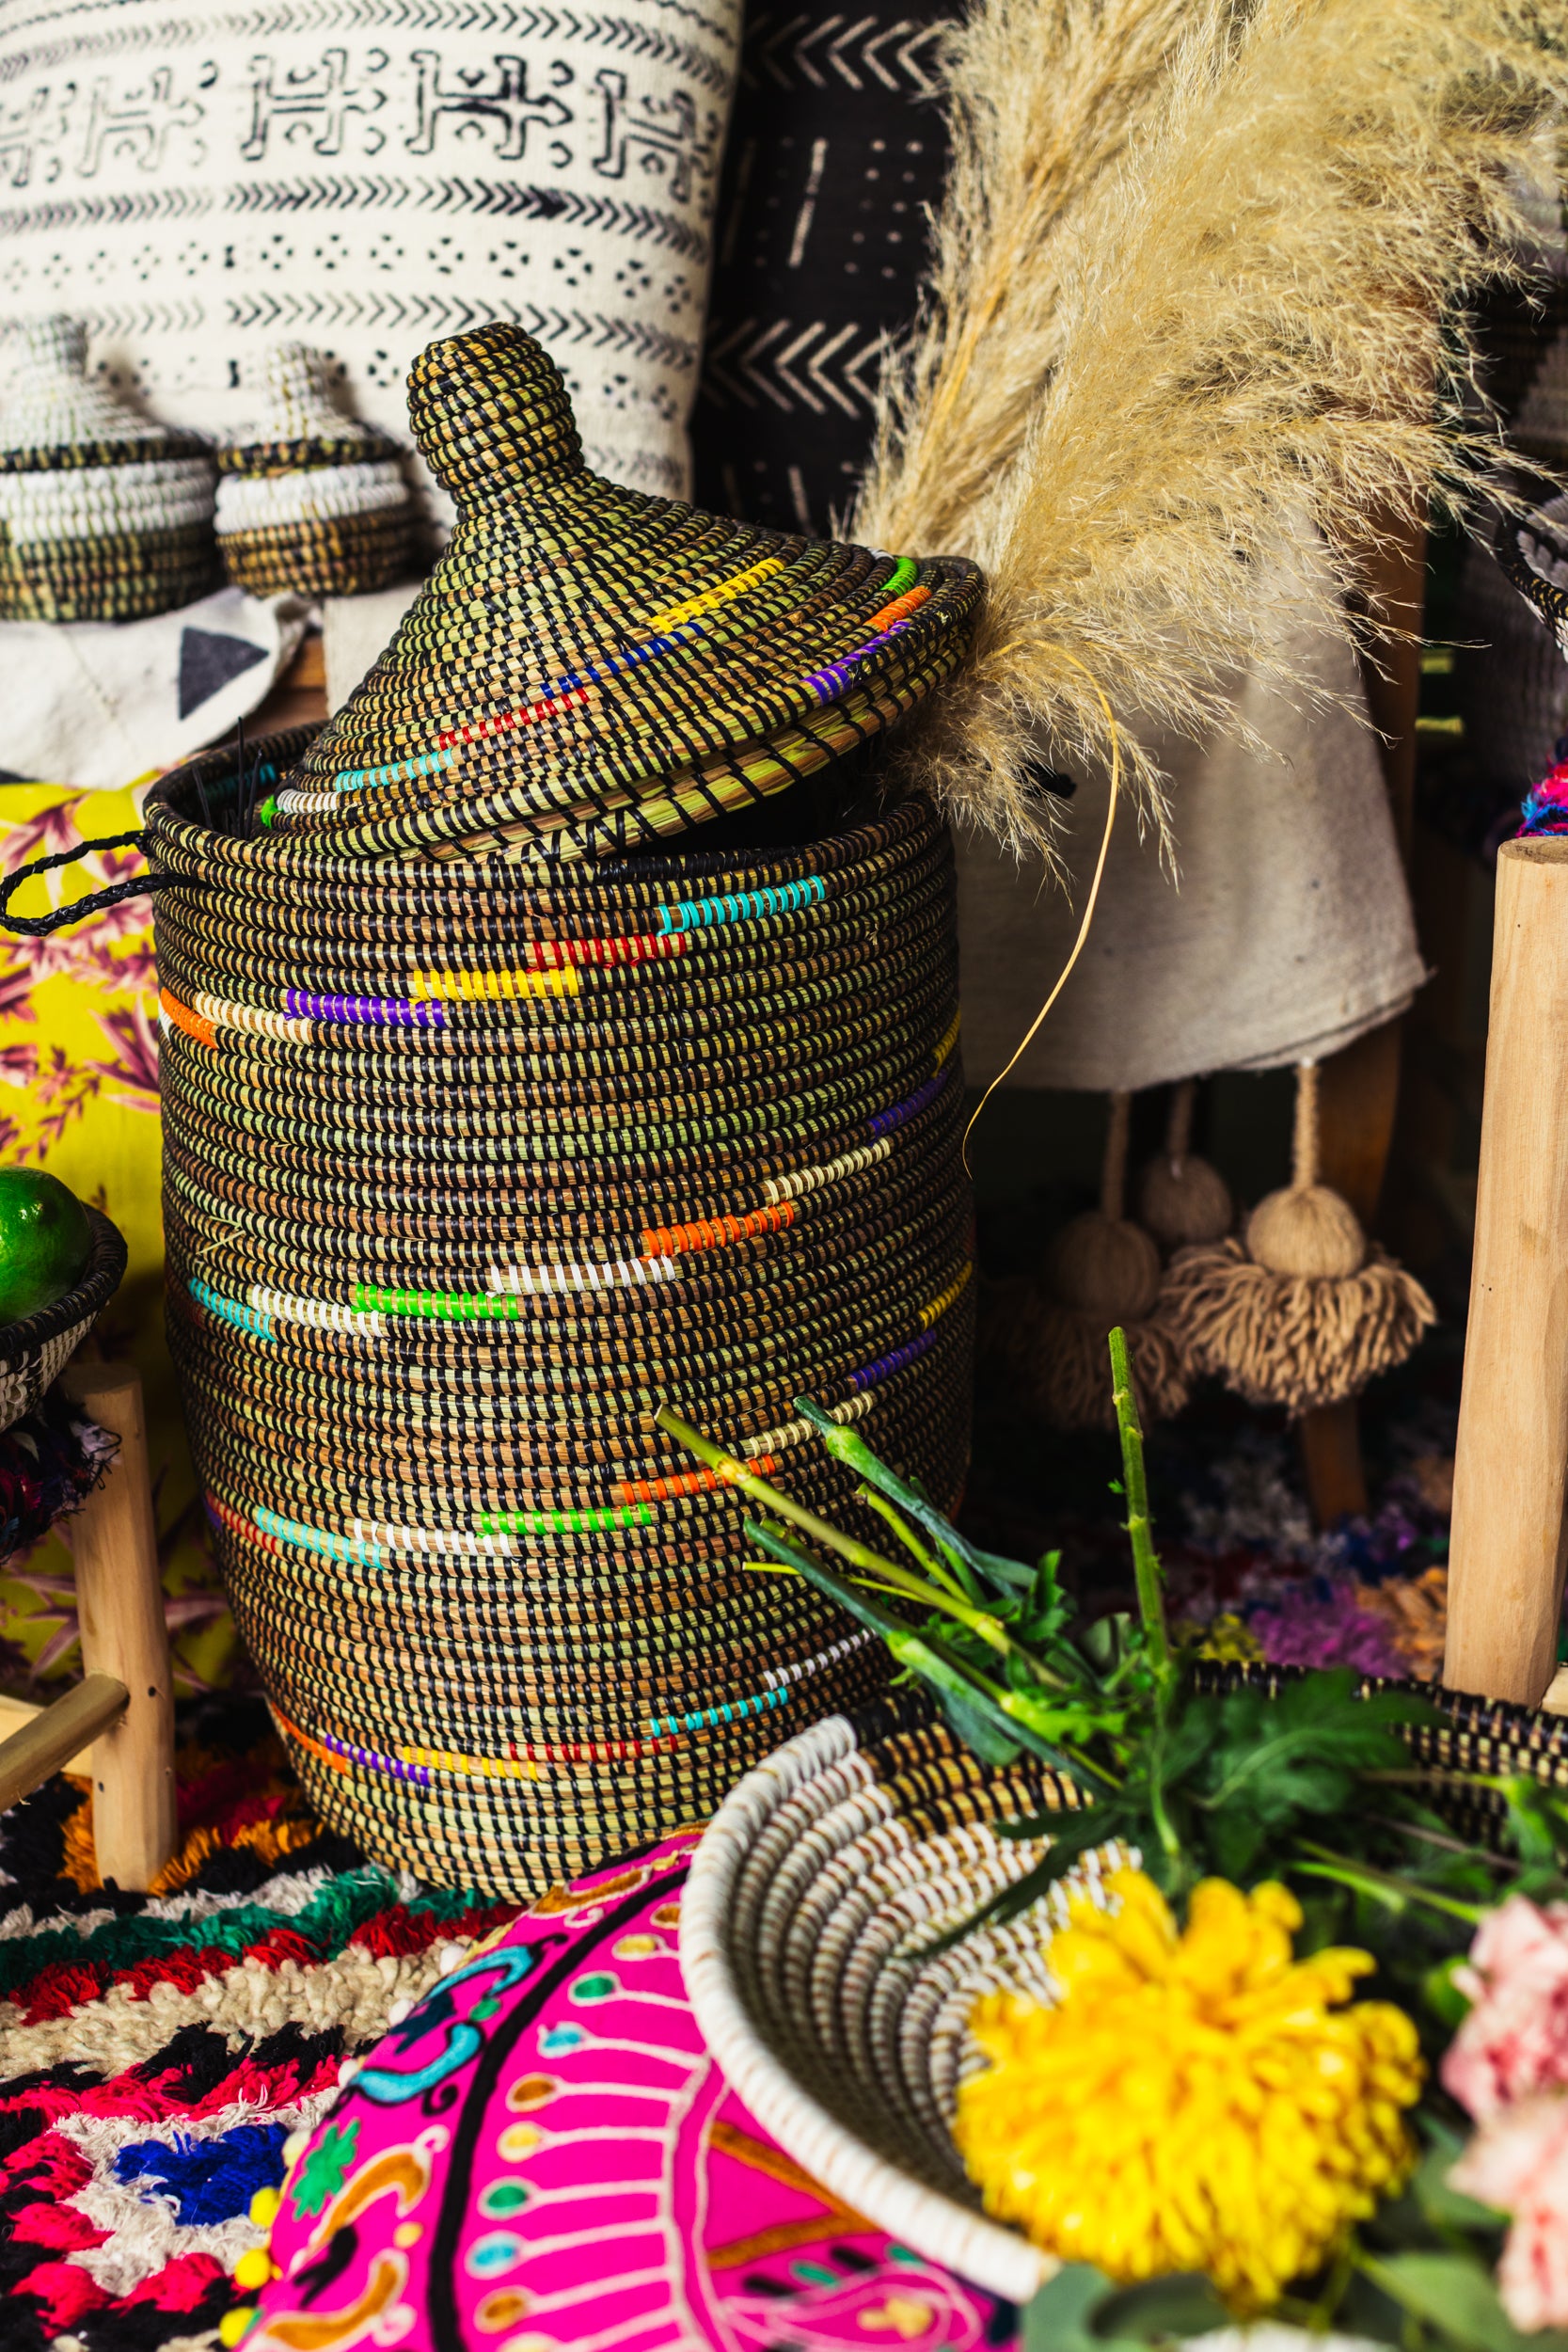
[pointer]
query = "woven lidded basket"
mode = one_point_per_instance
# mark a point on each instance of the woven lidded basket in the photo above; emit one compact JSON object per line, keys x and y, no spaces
{"x":104,"y":516}
{"x":309,"y":500}
{"x":35,"y":1350}
{"x":472,"y":1160}
{"x":818,"y":1885}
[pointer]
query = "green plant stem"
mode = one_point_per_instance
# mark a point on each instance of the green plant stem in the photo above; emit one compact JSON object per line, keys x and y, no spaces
{"x":1365,"y":1878}
{"x":1145,"y":1561}
{"x":937,"y":1571}
{"x":886,"y":1572}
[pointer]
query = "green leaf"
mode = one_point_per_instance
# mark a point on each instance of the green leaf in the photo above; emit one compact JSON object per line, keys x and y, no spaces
{"x":978,"y":1731}
{"x":849,"y":1447}
{"x":1184,"y":2304}
{"x":1445,"y":2208}
{"x":1440,"y":1993}
{"x":1459,"y":2295}
{"x":1071,"y":1835}
{"x":1057,"y":2319}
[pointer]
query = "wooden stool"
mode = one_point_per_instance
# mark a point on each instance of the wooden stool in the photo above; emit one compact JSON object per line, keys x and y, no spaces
{"x":1509,"y":1544}
{"x":124,"y":1704}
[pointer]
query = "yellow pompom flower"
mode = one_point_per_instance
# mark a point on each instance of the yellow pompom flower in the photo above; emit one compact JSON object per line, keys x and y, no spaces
{"x":1195,"y":2101}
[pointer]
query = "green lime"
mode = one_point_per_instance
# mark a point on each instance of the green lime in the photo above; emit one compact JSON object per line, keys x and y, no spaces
{"x":45,"y":1241}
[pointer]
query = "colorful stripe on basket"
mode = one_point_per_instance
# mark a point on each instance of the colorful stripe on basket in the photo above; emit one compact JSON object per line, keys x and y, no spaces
{"x":776,"y":1692}
{"x":420,"y":1766}
{"x":375,"y":1547}
{"x":680,"y":625}
{"x":828,"y":683}
{"x":231,"y":1310}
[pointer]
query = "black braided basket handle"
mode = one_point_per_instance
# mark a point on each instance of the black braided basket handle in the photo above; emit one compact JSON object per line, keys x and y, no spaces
{"x":40,"y":926}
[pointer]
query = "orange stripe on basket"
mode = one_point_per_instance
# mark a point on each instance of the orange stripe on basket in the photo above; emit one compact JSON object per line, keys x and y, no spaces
{"x":184,"y":1019}
{"x":900,"y":607}
{"x":694,"y":1482}
{"x":669,"y":1241}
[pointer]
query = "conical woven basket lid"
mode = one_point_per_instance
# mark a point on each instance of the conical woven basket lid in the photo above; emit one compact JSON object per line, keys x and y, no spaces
{"x":55,"y":416}
{"x":589,"y":668}
{"x":297,"y":425}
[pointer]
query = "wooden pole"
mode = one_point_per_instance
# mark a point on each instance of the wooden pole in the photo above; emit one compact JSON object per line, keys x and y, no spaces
{"x":49,"y":1740}
{"x":119,"y":1598}
{"x":1358,"y":1087}
{"x":1510,"y":1467}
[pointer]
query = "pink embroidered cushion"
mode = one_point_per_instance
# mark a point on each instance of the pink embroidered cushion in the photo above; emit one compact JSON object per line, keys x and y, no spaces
{"x":542,"y":2155}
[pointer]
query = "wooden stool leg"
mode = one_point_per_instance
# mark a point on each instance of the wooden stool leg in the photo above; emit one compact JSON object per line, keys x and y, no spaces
{"x":120,"y":1600}
{"x":1510,"y":1464}
{"x":1358,"y":1088}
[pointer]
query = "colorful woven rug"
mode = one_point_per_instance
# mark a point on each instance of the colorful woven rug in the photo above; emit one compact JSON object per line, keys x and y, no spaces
{"x":159,"y":2053}
{"x":156,"y":2051}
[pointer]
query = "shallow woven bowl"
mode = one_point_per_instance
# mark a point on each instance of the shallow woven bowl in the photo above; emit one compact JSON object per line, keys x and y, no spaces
{"x":811,"y":1896}
{"x":34,"y":1352}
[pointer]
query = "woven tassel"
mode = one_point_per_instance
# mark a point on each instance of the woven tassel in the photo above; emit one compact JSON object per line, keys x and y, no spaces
{"x":1100,"y":1270}
{"x":1181,"y":1198}
{"x":1304,"y":1311}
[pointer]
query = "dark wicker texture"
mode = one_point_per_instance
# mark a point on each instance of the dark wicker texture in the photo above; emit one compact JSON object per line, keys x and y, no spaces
{"x":590,"y":670}
{"x":35,"y":1350}
{"x":467,"y":1167}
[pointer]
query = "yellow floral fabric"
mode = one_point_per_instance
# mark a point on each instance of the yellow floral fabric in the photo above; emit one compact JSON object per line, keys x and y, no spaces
{"x":1201,"y":2102}
{"x":79,"y":1096}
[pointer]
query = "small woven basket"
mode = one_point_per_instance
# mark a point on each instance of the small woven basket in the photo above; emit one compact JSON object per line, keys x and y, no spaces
{"x":466,"y":1168}
{"x":813,"y":1892}
{"x":36,"y":1350}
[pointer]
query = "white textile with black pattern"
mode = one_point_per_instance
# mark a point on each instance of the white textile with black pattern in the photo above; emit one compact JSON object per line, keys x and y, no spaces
{"x":371,"y":175}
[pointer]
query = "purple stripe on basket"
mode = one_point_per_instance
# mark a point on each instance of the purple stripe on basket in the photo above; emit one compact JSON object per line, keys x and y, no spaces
{"x":826,"y":684}
{"x":886,"y":1365}
{"x":373,"y":1760}
{"x":900,"y":1112}
{"x":387,"y":1012}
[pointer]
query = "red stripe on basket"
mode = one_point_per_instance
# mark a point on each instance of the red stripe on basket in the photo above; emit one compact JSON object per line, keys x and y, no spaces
{"x":555,"y":955}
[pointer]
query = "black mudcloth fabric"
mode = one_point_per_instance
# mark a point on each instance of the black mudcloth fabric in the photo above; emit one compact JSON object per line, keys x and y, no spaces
{"x":836,"y":146}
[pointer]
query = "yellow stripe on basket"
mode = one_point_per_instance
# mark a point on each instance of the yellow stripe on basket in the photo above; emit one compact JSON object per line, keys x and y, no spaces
{"x":559,"y":979}
{"x":705,"y":602}
{"x":938,"y":1307}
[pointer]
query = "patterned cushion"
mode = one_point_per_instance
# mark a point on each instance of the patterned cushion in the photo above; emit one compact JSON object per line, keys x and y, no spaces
{"x":543,"y":2155}
{"x":369,"y":175}
{"x":836,"y":147}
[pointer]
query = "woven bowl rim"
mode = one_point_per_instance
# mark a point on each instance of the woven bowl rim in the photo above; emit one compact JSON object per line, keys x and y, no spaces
{"x":999,"y":2259}
{"x":23,"y":1341}
{"x":1549,"y":600}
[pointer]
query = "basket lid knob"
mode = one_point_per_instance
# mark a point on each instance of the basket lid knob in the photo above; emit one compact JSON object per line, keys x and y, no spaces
{"x":490,"y":413}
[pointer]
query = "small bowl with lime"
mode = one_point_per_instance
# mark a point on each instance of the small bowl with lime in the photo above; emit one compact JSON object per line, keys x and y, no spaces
{"x":60,"y":1263}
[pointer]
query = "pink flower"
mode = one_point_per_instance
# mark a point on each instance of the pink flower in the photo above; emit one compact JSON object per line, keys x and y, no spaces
{"x":1518,"y":2164}
{"x":1515,"y":2042}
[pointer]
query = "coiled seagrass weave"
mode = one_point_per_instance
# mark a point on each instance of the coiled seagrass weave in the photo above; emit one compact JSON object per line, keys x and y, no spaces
{"x":470,"y":1161}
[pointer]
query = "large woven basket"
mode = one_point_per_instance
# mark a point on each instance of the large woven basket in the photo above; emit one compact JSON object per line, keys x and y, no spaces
{"x":36,"y":1350}
{"x":811,"y":1895}
{"x":466,"y":1168}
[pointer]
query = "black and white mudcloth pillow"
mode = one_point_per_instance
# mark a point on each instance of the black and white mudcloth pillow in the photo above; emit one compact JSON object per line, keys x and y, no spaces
{"x":837,"y":144}
{"x":369,"y":175}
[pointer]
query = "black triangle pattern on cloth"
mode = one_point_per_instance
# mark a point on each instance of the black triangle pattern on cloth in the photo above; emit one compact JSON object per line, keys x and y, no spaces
{"x":206,"y":663}
{"x":837,"y":144}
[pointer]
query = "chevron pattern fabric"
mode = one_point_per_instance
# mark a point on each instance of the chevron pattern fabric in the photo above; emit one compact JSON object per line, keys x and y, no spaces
{"x":369,"y":175}
{"x":836,"y":146}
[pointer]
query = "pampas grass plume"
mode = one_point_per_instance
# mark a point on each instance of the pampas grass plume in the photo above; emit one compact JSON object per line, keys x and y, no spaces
{"x":1244,"y":320}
